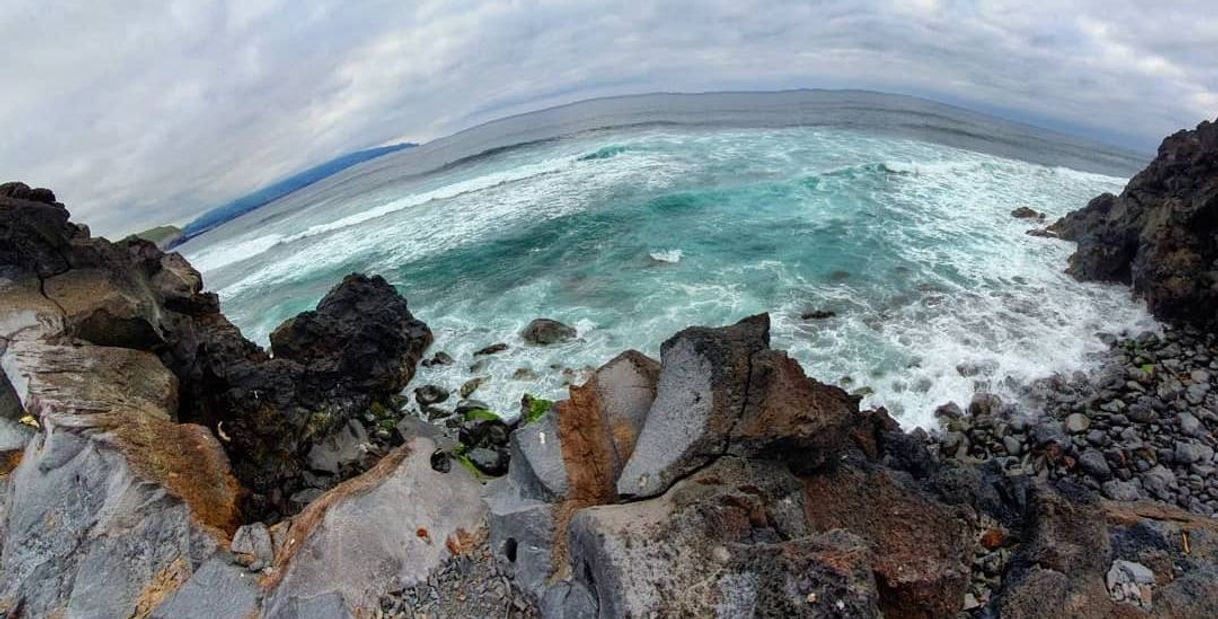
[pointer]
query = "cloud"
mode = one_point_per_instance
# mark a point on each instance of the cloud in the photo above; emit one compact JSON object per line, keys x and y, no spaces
{"x":153,"y":111}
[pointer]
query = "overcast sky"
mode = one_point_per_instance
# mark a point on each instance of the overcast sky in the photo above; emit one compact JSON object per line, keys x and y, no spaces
{"x":140,"y":113}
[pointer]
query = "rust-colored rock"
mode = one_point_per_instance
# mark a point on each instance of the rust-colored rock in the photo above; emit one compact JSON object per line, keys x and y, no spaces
{"x":922,"y":548}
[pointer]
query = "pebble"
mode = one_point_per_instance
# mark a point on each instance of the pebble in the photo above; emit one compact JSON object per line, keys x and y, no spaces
{"x":1077,"y":422}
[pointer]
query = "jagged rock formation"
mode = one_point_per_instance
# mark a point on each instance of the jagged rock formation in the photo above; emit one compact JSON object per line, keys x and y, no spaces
{"x":358,"y":348}
{"x":1159,"y":234}
{"x":124,"y":387}
{"x":753,"y":490}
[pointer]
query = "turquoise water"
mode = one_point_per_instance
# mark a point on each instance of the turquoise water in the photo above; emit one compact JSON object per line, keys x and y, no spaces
{"x":633,"y":234}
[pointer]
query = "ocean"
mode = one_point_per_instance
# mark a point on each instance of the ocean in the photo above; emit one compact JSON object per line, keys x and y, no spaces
{"x":632,"y":218}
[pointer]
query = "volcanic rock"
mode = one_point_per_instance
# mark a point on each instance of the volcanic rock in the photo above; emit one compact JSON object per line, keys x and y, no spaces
{"x":1159,"y":234}
{"x":544,"y":331}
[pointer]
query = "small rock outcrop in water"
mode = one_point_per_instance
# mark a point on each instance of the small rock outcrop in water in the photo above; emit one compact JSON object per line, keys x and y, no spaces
{"x":544,"y":331}
{"x":1159,"y":234}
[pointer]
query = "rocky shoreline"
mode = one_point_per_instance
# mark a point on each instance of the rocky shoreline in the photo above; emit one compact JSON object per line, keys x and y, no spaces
{"x":158,"y":464}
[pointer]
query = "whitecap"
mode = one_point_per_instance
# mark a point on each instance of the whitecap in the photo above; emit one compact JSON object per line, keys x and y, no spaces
{"x":671,"y":256}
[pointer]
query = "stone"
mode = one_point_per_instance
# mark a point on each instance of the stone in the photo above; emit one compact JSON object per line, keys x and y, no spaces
{"x":949,"y":411}
{"x":1130,"y":582}
{"x":109,"y":446}
{"x":1025,"y":212}
{"x":1077,"y":423}
{"x":254,"y":540}
{"x":984,"y":404}
{"x":703,"y":380}
{"x":217,"y":590}
{"x":470,"y":386}
{"x":790,"y":417}
{"x":1121,"y":490}
{"x":522,"y":536}
{"x":569,"y":600}
{"x":344,"y":449}
{"x":490,"y":461}
{"x":1159,"y":482}
{"x":537,"y":467}
{"x":922,"y":548}
{"x":1093,"y":463}
{"x":545,"y":331}
{"x":1190,"y":425}
{"x":428,"y":395}
{"x":1190,"y":452}
{"x":626,"y":388}
{"x":491,"y":350}
{"x":817,"y":314}
{"x":1012,"y":445}
{"x":390,"y":526}
{"x":726,"y":541}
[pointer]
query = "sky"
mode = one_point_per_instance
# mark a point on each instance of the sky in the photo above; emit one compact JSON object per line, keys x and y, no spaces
{"x":141,"y":113}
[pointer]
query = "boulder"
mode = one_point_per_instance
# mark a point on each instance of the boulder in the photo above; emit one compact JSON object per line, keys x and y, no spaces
{"x":701,"y":393}
{"x":362,"y":331}
{"x":522,"y":535}
{"x":108,"y":308}
{"x":219,"y":589}
{"x":729,"y":540}
{"x":537,"y":466}
{"x":791,"y":417}
{"x":389,"y":527}
{"x":1159,"y":234}
{"x":922,"y":548}
{"x":138,"y":501}
{"x":545,"y":331}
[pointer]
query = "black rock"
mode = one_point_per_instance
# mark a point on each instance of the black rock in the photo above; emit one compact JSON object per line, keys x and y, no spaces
{"x":492,"y":349}
{"x":430,"y":394}
{"x":818,"y":315}
{"x":1159,"y":235}
{"x":490,"y":461}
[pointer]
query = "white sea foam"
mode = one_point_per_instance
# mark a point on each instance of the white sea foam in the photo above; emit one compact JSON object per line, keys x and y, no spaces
{"x":671,"y":256}
{"x":212,"y":258}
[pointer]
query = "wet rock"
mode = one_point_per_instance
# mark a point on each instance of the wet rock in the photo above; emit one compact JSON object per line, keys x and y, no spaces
{"x":545,"y":331}
{"x":949,"y":411}
{"x":470,"y":386}
{"x":817,"y":315}
{"x":984,"y":404}
{"x":1025,"y":212}
{"x":428,"y":395}
{"x":491,"y":350}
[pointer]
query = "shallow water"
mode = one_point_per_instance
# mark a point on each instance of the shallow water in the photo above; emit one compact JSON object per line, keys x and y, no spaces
{"x":631,"y":234}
